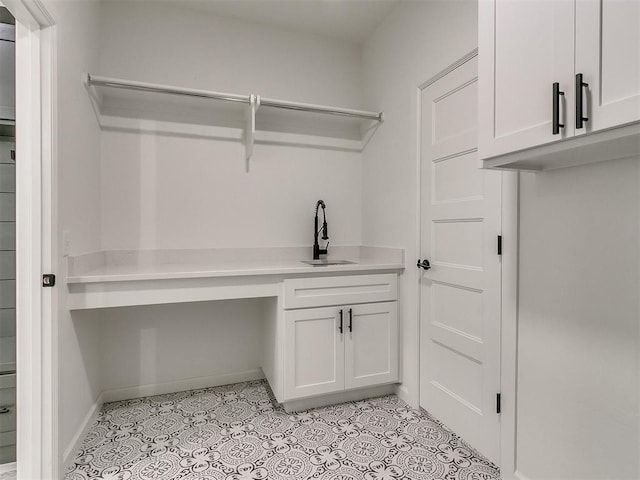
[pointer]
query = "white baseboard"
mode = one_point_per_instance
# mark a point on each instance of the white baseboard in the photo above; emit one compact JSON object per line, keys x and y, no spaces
{"x":127,"y":393}
{"x":519,"y":476}
{"x":77,"y":439}
{"x":338,"y":397}
{"x":403,"y":394}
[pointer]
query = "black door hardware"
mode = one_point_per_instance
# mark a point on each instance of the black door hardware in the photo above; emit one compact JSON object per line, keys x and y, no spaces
{"x":351,"y":319}
{"x":340,"y":328}
{"x":580,"y":86}
{"x":499,"y":244}
{"x":424,"y":264}
{"x":48,"y":280}
{"x":498,"y":403}
{"x":556,"y":108}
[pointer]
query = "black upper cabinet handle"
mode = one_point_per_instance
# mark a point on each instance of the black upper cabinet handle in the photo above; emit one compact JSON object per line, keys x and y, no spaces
{"x":580,"y":86}
{"x":351,"y":319}
{"x":556,"y":108}
{"x":340,"y":327}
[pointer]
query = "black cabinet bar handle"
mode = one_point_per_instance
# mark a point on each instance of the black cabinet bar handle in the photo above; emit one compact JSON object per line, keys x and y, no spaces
{"x":580,"y":85}
{"x":340,"y":328}
{"x":351,"y":319}
{"x":556,"y":108}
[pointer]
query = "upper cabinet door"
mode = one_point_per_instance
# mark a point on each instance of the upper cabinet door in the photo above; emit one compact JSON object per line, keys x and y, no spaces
{"x":524,"y":47}
{"x":608,"y":56}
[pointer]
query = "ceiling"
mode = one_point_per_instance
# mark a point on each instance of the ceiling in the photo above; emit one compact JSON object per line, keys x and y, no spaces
{"x":351,"y":20}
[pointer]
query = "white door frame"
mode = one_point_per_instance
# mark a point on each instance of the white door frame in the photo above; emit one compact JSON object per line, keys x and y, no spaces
{"x":36,"y":336}
{"x":509,"y":288}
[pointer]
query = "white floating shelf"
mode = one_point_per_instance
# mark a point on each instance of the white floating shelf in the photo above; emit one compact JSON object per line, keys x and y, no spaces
{"x":124,"y":105}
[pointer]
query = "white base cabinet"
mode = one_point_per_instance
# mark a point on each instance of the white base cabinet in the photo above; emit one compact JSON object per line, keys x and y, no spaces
{"x":337,"y":334}
{"x":331,"y":349}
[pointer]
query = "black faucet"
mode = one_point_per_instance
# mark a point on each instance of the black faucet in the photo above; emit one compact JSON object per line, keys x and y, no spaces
{"x":317,"y":251}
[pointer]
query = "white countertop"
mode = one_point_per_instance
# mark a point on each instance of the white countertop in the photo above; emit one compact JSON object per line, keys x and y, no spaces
{"x":131,"y":265}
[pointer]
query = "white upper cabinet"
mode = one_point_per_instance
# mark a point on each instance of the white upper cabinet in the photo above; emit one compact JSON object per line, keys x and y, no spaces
{"x":555,"y":76}
{"x":525,"y":46}
{"x":608,"y":55}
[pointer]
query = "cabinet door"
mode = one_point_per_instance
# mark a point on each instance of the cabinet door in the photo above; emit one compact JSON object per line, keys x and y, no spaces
{"x":314,"y":352}
{"x":524,"y":47}
{"x":608,"y":56}
{"x":371,"y":344}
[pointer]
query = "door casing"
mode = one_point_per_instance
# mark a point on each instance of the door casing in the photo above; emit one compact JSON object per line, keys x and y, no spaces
{"x":36,"y":224}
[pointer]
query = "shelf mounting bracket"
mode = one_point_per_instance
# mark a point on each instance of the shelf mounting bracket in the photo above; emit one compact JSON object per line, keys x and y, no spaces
{"x":250,"y":127}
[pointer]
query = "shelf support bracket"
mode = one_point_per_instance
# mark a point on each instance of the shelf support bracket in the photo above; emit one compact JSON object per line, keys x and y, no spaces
{"x":250,"y":127}
{"x":94,"y":96}
{"x":368,"y":131}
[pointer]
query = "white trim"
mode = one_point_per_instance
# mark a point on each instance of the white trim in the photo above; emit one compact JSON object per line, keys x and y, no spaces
{"x":443,"y":73}
{"x":29,"y":395}
{"x":51,"y":455}
{"x":31,"y":13}
{"x":37,"y":455}
{"x":403,"y":394}
{"x":149,"y":390}
{"x":418,"y":245}
{"x":519,"y":476}
{"x":509,"y":325}
{"x":76,"y":441}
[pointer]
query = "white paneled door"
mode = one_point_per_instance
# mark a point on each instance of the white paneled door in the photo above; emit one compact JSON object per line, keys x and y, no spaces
{"x":460,"y":293}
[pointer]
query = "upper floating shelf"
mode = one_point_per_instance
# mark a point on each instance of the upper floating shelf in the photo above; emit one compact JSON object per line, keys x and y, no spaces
{"x":139,"y":106}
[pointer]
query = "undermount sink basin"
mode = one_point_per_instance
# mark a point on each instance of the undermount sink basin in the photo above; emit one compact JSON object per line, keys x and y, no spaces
{"x":323,"y":262}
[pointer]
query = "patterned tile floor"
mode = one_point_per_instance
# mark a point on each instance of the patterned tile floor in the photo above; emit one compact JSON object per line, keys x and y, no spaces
{"x":237,"y":432}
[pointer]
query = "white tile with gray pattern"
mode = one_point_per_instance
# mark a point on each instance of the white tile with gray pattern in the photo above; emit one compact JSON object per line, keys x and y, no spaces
{"x":238,"y":432}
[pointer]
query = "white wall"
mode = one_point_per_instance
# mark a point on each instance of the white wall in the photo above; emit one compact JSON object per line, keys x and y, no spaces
{"x":167,"y":191}
{"x":415,"y":42}
{"x":578,"y":370}
{"x":176,"y":192}
{"x":160,"y":344}
{"x":579,"y":337}
{"x":78,"y":178}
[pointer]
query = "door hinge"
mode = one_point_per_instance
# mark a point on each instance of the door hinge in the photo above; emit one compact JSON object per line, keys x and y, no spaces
{"x":498,"y":403}
{"x":499,"y":244}
{"x":48,"y":280}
